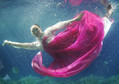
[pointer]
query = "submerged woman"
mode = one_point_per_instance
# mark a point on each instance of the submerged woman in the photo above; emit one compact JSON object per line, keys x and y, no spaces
{"x":50,"y":32}
{"x":73,"y":49}
{"x":39,"y":35}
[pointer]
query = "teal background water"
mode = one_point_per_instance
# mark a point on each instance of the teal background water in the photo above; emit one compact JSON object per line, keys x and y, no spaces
{"x":16,"y":18}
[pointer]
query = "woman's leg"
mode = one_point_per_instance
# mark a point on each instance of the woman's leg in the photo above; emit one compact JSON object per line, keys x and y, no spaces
{"x":107,"y":22}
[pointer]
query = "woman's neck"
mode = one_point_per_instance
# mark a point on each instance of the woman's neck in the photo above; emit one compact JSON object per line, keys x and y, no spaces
{"x":40,"y":38}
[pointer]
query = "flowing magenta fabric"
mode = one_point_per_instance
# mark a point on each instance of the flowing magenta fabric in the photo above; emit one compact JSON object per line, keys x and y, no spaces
{"x":78,"y":2}
{"x":73,"y":49}
{"x":74,"y":2}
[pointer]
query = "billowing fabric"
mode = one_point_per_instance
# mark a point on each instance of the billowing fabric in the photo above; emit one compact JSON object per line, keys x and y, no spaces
{"x":74,"y":2}
{"x":73,"y":49}
{"x":78,"y":2}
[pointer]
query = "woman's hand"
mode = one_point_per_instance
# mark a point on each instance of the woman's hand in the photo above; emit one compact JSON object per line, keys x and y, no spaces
{"x":6,"y":42}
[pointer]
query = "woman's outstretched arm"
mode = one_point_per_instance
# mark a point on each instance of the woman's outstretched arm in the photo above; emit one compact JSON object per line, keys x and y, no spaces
{"x":62,"y":24}
{"x":28,"y":46}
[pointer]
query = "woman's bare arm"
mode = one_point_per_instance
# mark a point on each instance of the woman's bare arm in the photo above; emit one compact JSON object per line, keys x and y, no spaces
{"x":62,"y":24}
{"x":28,"y":46}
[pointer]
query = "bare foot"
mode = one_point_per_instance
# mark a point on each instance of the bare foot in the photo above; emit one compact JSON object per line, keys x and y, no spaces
{"x":109,"y":10}
{"x":109,"y":6}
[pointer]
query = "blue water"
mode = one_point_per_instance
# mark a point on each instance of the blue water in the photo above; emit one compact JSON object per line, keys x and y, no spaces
{"x":16,"y":18}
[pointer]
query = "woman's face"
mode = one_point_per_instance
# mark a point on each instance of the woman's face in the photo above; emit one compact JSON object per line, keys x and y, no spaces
{"x":36,"y":31}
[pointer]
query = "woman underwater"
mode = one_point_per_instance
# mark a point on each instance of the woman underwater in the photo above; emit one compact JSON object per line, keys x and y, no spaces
{"x":73,"y":49}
